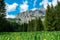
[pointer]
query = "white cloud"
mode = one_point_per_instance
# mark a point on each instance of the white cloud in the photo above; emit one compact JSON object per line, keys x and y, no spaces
{"x":33,"y":9}
{"x":46,"y":2}
{"x":59,"y":0}
{"x":24,"y":6}
{"x":54,"y":2}
{"x":10,"y":16}
{"x":11,"y":7}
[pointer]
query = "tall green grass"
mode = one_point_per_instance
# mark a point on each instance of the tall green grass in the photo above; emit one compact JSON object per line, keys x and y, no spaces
{"x":30,"y":36}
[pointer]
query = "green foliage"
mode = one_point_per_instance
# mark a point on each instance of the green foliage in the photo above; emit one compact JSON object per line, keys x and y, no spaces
{"x":40,"y":26}
{"x":52,"y":18}
{"x":32,"y":25}
{"x":24,"y":27}
{"x":35,"y":25}
{"x":2,"y":8}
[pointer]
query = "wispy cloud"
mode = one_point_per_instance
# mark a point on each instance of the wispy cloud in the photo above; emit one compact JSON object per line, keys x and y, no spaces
{"x":34,"y":3}
{"x":24,"y":6}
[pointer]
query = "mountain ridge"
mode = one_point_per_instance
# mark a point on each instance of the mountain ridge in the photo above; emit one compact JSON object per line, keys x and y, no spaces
{"x":31,"y":15}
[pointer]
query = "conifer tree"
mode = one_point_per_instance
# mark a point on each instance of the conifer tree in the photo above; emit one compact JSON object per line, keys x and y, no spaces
{"x":40,"y":26}
{"x":2,"y":9}
{"x":2,"y":13}
{"x":57,"y":12}
{"x":35,"y":25}
{"x":52,"y":17}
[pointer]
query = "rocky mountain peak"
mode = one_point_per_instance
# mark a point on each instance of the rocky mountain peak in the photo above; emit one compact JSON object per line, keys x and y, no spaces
{"x":31,"y":15}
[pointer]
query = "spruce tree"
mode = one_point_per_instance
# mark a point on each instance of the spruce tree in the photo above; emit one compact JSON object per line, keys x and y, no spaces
{"x":57,"y":12}
{"x":52,"y":18}
{"x":40,"y":26}
{"x":2,"y":13}
{"x":2,"y":9}
{"x":35,"y":25}
{"x":31,"y":26}
{"x":4,"y":24}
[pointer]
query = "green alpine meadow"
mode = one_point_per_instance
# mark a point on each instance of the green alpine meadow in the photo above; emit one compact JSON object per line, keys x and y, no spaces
{"x":30,"y":35}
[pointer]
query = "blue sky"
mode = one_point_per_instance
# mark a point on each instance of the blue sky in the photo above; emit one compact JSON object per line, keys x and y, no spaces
{"x":13,"y":7}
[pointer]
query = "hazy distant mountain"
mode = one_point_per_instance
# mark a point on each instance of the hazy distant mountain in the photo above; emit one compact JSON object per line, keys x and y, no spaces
{"x":30,"y":15}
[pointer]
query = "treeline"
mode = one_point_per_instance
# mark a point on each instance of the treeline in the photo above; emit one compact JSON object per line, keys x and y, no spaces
{"x":34,"y":25}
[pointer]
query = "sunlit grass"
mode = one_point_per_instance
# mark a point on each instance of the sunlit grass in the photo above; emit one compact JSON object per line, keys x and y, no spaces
{"x":30,"y":36}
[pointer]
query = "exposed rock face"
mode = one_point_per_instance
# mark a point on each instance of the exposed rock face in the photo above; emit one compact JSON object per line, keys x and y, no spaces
{"x":31,"y":15}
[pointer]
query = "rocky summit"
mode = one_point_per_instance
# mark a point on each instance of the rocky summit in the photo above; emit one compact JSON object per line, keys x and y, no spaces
{"x":31,"y":15}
